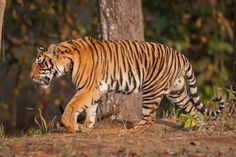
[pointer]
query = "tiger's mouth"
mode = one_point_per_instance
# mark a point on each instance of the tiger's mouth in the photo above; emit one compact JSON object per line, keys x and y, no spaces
{"x":43,"y":82}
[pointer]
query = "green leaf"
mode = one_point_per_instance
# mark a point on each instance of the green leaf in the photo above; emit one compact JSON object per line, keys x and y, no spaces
{"x":194,"y":123}
{"x":185,"y":116}
{"x":188,"y":123}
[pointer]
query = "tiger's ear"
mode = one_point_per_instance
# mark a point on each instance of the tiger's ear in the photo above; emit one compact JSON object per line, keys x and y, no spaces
{"x":52,"y":49}
{"x":41,"y":49}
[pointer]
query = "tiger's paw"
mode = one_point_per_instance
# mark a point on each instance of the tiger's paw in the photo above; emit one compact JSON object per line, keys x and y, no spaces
{"x":141,"y":125}
{"x":84,"y":128}
{"x":71,"y":127}
{"x":89,"y":124}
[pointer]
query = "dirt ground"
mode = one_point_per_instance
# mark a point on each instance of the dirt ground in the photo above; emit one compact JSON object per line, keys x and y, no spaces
{"x":163,"y":139}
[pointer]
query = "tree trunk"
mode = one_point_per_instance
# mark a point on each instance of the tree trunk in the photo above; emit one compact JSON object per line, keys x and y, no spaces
{"x":234,"y":53}
{"x":121,"y":19}
{"x":2,"y":9}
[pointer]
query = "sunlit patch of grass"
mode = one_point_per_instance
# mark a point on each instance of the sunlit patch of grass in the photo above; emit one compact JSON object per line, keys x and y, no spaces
{"x":188,"y":122}
{"x":69,"y":151}
{"x":2,"y":131}
{"x":43,"y":125}
{"x":104,"y":119}
{"x":30,"y":132}
{"x":231,"y":99}
{"x":173,"y":113}
{"x":227,"y":124}
{"x":33,"y":131}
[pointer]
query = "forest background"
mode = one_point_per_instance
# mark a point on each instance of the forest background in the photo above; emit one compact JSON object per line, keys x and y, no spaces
{"x":202,"y":30}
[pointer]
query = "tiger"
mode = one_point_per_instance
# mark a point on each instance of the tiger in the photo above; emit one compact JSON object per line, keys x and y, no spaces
{"x":100,"y":66}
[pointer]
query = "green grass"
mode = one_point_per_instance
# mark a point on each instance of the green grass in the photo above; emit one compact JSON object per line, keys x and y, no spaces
{"x":2,"y":131}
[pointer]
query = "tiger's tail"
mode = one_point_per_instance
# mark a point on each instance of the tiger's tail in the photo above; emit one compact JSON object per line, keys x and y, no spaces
{"x":196,"y":99}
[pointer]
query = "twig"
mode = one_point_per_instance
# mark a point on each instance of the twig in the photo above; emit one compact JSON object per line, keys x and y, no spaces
{"x":108,"y":114}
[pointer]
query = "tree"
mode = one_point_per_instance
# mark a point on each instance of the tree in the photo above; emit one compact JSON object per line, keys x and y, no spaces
{"x":122,"y":19}
{"x":2,"y":9}
{"x":234,"y":46}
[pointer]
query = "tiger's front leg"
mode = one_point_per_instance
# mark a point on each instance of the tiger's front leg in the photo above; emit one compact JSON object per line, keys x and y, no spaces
{"x":80,"y":102}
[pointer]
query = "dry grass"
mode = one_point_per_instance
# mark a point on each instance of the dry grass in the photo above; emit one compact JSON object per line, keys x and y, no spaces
{"x":111,"y":139}
{"x":43,"y":125}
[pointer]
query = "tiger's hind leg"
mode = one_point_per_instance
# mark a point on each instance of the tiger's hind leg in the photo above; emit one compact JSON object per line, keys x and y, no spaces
{"x":91,"y":115}
{"x":178,"y":94}
{"x":150,"y":104}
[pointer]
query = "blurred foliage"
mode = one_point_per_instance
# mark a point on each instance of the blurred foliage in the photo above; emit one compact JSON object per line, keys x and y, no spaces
{"x":201,"y":29}
{"x":27,"y":25}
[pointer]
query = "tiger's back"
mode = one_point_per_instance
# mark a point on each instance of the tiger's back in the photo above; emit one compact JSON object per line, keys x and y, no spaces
{"x":128,"y":66}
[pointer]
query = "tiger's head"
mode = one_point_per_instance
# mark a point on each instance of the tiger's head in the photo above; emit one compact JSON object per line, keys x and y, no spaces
{"x":49,"y":64}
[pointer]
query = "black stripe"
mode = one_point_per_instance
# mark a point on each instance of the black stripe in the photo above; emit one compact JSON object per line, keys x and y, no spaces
{"x":190,"y":110}
{"x":121,"y":77}
{"x":116,"y":62}
{"x":197,"y":103}
{"x":109,"y":48}
{"x":145,"y":116}
{"x":90,"y":80}
{"x":185,"y":105}
{"x":213,"y":114}
{"x":82,"y":43}
{"x":138,"y":69}
{"x":81,"y":76}
{"x":173,"y":96}
{"x":217,"y":99}
{"x":195,"y":95}
{"x":117,"y":86}
{"x":190,"y":77}
{"x":147,"y":107}
{"x":181,"y":100}
{"x":193,"y":85}
{"x":179,"y":92}
{"x":50,"y":61}
{"x":123,"y":57}
{"x":145,"y":53}
{"x":202,"y":110}
{"x":221,"y":108}
{"x":75,"y":43}
{"x":126,"y":87}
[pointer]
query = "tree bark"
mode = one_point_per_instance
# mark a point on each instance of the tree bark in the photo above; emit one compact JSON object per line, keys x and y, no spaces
{"x":234,"y":53}
{"x":2,"y":9}
{"x":121,"y":19}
